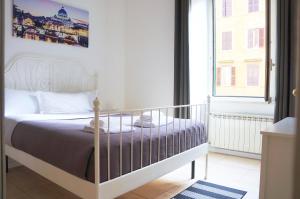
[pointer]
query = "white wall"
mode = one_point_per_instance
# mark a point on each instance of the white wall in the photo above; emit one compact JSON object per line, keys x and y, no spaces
{"x":111,"y":75}
{"x":149,"y":53}
{"x":105,"y":53}
{"x":132,"y":48}
{"x":136,"y":35}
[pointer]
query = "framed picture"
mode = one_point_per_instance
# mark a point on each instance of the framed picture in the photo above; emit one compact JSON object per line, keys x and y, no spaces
{"x":49,"y":21}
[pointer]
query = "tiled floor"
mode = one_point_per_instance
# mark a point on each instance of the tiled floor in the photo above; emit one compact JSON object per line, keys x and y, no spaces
{"x":236,"y":172}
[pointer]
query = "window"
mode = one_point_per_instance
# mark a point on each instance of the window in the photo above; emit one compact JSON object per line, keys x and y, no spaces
{"x":227,"y":8}
{"x":256,"y":38}
{"x":239,"y":52}
{"x":226,"y":40}
{"x":253,"y":5}
{"x":226,"y":76}
{"x":252,"y":75}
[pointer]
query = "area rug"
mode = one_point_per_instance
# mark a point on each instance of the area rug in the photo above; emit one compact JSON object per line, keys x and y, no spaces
{"x":206,"y":190}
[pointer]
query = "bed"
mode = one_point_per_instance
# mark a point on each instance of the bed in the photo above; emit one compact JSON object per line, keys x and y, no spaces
{"x":101,"y":163}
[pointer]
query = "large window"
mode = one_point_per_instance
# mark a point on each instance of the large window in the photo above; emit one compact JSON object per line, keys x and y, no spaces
{"x":240,"y":48}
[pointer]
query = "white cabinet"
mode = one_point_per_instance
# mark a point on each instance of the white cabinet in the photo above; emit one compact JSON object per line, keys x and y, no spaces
{"x":276,"y":179}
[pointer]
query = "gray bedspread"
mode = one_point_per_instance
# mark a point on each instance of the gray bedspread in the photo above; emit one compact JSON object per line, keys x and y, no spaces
{"x":64,"y":144}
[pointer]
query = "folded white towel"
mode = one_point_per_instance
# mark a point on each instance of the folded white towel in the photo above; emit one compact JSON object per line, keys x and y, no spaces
{"x":101,"y":123}
{"x":144,"y":124}
{"x":154,"y":123}
{"x":103,"y":127}
{"x":149,"y":117}
{"x":146,"y":118}
{"x":90,"y":129}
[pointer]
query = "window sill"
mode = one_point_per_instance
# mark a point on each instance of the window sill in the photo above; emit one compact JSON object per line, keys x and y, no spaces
{"x":260,"y":100}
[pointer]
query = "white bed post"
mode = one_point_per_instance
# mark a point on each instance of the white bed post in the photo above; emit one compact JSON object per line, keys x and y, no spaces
{"x":97,"y":146}
{"x":207,"y":130}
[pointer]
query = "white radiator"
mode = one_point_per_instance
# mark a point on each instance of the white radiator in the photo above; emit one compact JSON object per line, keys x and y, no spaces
{"x":237,"y":132}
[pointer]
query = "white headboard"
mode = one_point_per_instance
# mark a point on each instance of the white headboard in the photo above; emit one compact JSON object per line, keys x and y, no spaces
{"x":35,"y":72}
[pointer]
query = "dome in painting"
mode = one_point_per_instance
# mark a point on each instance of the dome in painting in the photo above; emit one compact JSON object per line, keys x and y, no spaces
{"x":62,"y":13}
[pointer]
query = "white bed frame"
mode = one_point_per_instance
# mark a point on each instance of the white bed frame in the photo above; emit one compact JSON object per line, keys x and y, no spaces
{"x":35,"y":72}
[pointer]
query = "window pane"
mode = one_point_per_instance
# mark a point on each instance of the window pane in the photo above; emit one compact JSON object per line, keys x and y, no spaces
{"x":240,"y":49}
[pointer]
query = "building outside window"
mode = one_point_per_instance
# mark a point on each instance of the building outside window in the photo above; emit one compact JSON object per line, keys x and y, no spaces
{"x":253,"y":5}
{"x":227,"y":8}
{"x":227,"y":40}
{"x":226,"y":76}
{"x":256,"y":38}
{"x":240,"y":49}
{"x":252,"y":75}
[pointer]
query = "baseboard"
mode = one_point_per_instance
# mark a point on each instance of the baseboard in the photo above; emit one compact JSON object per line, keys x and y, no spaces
{"x":235,"y":153}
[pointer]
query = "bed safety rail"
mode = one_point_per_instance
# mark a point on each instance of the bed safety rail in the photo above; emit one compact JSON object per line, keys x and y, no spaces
{"x":185,"y":115}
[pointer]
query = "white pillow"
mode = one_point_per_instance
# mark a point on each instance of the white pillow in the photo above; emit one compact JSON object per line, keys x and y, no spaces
{"x":20,"y":102}
{"x":60,"y":103}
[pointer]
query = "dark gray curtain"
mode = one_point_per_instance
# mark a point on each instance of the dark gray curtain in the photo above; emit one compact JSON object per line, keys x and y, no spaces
{"x":286,"y":69}
{"x":181,"y":60}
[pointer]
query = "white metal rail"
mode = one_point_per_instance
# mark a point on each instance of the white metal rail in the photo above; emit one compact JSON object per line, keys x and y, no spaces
{"x":175,"y":122}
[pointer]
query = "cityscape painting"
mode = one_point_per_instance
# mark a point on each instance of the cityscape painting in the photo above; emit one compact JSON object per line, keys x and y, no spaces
{"x":49,"y":21}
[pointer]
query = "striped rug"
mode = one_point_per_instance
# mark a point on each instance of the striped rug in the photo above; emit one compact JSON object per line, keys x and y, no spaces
{"x":206,"y":190}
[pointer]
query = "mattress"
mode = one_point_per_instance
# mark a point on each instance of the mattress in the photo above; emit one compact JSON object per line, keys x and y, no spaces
{"x":63,"y":143}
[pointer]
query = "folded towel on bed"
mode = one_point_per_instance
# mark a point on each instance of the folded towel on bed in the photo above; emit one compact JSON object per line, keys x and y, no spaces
{"x":103,"y":127}
{"x":144,"y":124}
{"x":154,"y":115}
{"x":101,"y":123}
{"x":154,"y":122}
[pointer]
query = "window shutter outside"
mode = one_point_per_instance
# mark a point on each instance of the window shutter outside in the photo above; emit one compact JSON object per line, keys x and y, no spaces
{"x":219,"y":76}
{"x":229,"y":8}
{"x":224,"y":8}
{"x":224,"y":41}
{"x":250,"y":39}
{"x":233,"y":76}
{"x":255,"y":5}
{"x":229,"y":41}
{"x":250,"y":5}
{"x":261,"y":37}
